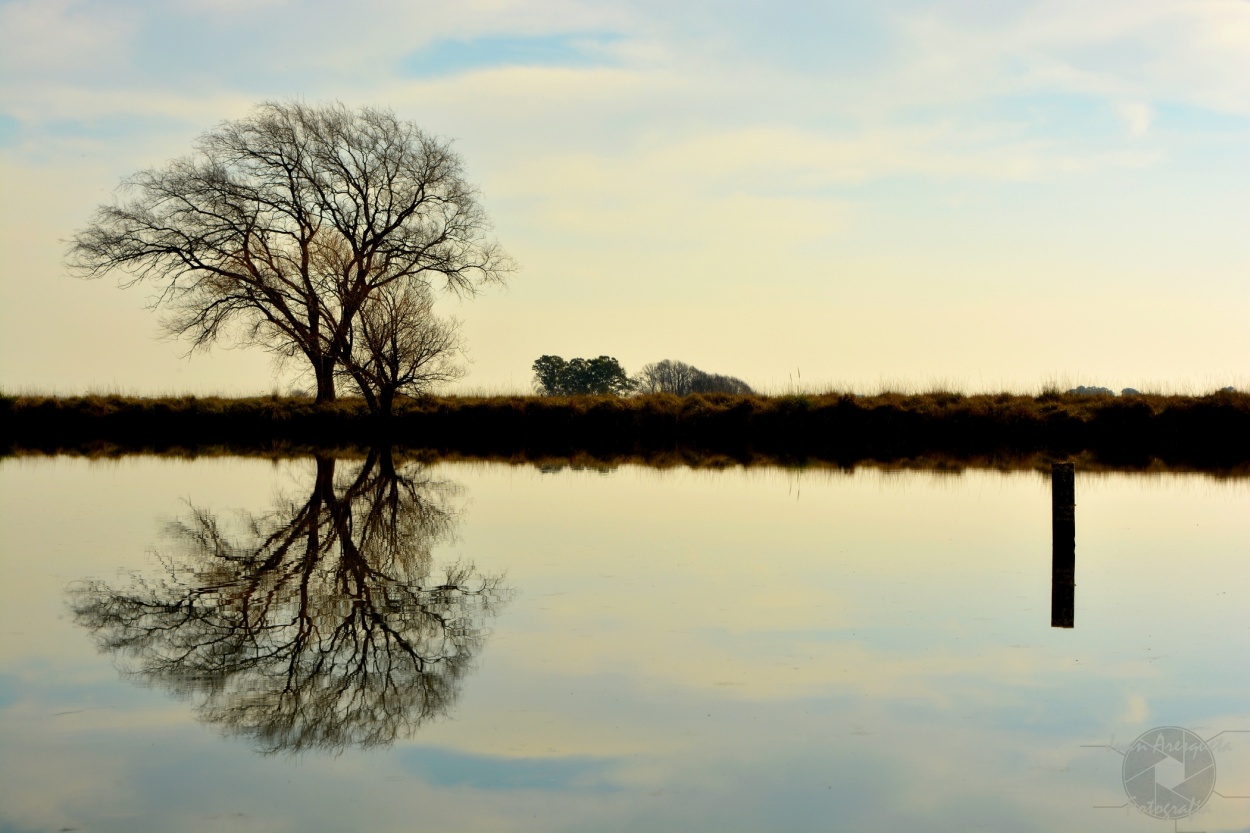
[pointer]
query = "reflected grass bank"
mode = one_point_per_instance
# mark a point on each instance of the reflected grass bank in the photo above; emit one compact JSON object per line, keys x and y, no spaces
{"x":1205,"y":433}
{"x":1040,"y":463}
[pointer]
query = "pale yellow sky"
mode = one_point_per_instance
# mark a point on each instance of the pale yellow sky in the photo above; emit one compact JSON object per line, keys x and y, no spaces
{"x":976,"y":195}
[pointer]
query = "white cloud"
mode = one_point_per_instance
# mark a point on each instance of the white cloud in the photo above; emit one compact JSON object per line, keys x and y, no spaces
{"x":1137,"y":118}
{"x":1192,"y":52}
{"x":765,"y":187}
{"x":60,"y":37}
{"x":1136,"y":712}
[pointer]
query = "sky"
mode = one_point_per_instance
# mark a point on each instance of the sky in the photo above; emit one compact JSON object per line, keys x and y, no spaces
{"x":951,"y":193}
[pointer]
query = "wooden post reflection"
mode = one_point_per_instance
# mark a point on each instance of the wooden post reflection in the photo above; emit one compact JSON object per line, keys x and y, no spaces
{"x":1063,"y":545}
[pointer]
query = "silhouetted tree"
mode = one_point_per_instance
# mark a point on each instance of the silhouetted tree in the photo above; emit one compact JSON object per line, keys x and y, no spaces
{"x":679,"y":378}
{"x":553,"y":376}
{"x":602,"y":375}
{"x":549,"y":375}
{"x":321,"y":624}
{"x":718,"y":383}
{"x":282,"y":226}
{"x":400,"y":345}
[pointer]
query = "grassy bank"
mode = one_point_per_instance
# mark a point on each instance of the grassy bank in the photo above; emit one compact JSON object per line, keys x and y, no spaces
{"x":1206,"y":432}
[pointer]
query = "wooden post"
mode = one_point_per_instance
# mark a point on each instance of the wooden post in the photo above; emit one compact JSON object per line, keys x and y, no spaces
{"x":1063,"y":545}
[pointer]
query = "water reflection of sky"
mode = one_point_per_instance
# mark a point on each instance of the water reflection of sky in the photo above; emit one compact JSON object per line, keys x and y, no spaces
{"x":684,"y":651}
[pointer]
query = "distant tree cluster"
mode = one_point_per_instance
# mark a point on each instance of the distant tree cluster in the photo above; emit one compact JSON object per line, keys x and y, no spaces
{"x":681,"y":379}
{"x":553,"y":376}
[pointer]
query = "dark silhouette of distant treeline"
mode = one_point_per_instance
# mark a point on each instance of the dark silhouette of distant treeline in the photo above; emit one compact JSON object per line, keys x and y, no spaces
{"x":1206,"y":432}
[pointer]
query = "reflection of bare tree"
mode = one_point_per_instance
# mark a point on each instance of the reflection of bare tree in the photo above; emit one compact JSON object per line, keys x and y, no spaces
{"x":317,"y":625}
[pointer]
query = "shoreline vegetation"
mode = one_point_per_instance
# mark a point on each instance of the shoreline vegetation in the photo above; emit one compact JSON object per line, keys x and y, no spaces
{"x":1146,"y":432}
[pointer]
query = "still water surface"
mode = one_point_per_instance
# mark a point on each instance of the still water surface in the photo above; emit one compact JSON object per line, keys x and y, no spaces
{"x":234,"y":644}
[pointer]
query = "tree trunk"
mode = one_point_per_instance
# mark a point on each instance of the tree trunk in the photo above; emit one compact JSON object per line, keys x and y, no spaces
{"x":362,"y":382}
{"x":323,"y":367}
{"x":323,"y":490}
{"x":386,"y":466}
{"x":386,"y":399}
{"x":323,"y":493}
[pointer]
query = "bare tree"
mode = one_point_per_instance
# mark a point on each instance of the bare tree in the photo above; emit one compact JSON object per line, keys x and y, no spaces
{"x":679,"y":378}
{"x":280,"y":227}
{"x":400,"y":345}
{"x":668,"y":376}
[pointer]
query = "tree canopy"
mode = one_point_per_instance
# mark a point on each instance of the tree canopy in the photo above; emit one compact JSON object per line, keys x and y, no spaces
{"x":553,"y":376}
{"x":298,"y":229}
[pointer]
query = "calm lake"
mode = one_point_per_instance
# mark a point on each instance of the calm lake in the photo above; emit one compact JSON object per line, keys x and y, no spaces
{"x":336,"y":645}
